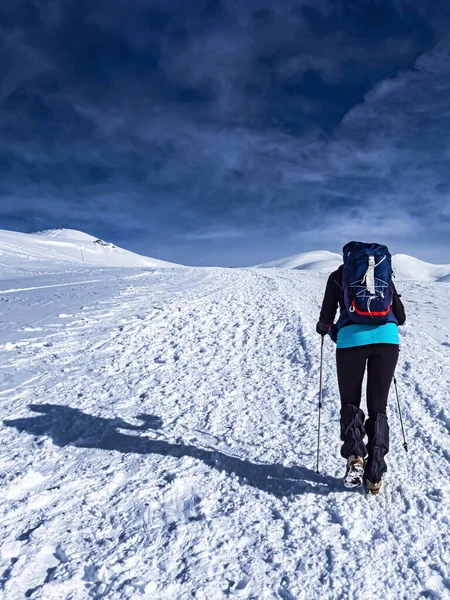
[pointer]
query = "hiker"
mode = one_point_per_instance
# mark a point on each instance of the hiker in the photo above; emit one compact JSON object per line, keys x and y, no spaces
{"x":366,"y":332}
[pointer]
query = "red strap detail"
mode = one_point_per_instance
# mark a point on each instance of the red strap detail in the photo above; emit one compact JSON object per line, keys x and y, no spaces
{"x":371,"y":314}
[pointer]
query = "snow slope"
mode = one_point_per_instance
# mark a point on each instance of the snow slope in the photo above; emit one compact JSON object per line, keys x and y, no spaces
{"x":71,"y":235}
{"x":57,"y":249}
{"x":322,"y":261}
{"x":408,"y":267}
{"x":159,"y":434}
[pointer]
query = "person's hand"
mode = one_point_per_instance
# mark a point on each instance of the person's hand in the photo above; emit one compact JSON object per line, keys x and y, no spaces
{"x":322,"y":328}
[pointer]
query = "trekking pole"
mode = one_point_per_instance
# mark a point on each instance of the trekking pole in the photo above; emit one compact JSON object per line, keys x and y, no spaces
{"x":405,"y":445}
{"x":320,"y":403}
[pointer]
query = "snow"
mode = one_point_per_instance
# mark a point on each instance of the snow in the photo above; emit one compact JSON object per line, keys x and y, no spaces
{"x":320,"y":261}
{"x":54,"y":250}
{"x":159,"y":435}
{"x":408,"y":267}
{"x":71,"y":235}
{"x":405,"y":267}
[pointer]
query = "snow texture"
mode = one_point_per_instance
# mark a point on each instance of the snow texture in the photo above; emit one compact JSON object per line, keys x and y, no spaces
{"x":159,"y":438}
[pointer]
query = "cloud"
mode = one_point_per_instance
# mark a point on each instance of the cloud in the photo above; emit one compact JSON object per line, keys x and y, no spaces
{"x":166,"y":123}
{"x":217,"y":234}
{"x":24,"y":63}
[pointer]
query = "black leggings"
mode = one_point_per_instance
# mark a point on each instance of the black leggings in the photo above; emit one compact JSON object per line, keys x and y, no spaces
{"x":381,"y":362}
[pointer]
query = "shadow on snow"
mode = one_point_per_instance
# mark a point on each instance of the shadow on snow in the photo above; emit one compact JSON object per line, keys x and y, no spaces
{"x":71,"y":427}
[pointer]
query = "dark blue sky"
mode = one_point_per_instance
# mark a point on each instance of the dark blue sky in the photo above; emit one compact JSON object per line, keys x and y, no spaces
{"x":228,"y":133}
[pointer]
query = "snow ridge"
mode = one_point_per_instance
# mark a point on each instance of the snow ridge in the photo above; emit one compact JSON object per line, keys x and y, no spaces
{"x":55,"y":250}
{"x":66,"y":234}
{"x":320,"y":261}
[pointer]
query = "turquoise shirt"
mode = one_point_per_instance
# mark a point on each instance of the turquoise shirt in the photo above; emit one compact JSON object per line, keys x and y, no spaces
{"x":362,"y":335}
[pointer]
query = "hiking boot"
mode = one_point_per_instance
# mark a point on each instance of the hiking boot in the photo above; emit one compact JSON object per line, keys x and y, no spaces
{"x":372,"y":488}
{"x":354,"y":473}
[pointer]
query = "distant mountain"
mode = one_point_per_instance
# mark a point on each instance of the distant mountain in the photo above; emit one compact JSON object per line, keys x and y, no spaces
{"x":322,"y":261}
{"x":58,"y":249}
{"x":71,"y":235}
{"x":408,"y":267}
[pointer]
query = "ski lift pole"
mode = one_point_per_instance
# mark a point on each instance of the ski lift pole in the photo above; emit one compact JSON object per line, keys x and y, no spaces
{"x":405,"y":444}
{"x":320,"y":403}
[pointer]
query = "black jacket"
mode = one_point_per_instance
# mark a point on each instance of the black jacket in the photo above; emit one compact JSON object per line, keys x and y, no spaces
{"x":334,"y":298}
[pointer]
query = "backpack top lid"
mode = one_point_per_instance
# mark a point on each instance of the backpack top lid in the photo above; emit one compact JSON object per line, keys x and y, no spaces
{"x":364,"y":248}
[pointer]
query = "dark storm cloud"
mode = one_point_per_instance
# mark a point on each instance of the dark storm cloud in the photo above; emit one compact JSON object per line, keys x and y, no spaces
{"x":213,"y":122}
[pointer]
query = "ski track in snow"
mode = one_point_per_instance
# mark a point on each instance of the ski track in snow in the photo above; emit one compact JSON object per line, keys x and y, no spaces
{"x":159,"y":437}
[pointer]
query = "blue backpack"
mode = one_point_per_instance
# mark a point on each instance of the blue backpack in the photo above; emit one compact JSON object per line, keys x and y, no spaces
{"x":367,"y":283}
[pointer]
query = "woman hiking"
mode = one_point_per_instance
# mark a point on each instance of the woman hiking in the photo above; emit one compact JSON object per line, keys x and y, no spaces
{"x":366,"y":333}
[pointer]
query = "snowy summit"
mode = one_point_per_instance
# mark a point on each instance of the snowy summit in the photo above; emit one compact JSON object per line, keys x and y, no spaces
{"x":320,"y":261}
{"x":71,"y":235}
{"x":63,"y":248}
